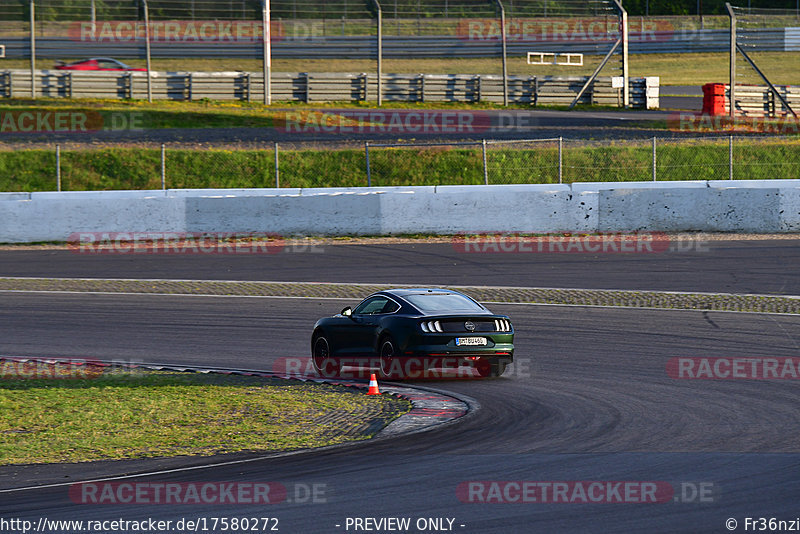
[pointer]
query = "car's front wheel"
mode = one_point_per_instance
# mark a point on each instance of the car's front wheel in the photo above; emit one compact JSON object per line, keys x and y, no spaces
{"x":324,"y":364}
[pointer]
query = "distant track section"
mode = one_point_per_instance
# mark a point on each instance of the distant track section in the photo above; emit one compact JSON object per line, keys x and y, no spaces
{"x":361,"y":47}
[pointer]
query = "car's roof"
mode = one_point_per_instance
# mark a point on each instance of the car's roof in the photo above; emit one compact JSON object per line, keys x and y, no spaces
{"x":402,"y":292}
{"x":95,"y":59}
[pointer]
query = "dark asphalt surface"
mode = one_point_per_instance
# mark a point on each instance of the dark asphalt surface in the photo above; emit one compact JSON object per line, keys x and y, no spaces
{"x":589,"y":399}
{"x":478,"y":124}
{"x":681,"y":97}
{"x":768,"y":267}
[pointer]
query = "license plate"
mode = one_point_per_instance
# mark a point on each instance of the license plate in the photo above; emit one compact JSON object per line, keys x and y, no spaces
{"x":470,"y":341}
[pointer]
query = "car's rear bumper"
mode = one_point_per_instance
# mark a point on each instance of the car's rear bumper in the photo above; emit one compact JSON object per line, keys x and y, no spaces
{"x":491,"y":350}
{"x":422,"y":365}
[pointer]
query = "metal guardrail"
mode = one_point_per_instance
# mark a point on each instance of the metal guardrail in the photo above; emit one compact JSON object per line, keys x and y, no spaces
{"x":363,"y":47}
{"x":760,"y":101}
{"x":326,"y":87}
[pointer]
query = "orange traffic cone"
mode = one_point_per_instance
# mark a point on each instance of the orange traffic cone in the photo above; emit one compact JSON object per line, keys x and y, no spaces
{"x":373,"y":385}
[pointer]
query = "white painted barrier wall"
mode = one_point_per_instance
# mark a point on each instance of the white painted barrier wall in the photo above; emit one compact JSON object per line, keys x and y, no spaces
{"x":725,"y":206}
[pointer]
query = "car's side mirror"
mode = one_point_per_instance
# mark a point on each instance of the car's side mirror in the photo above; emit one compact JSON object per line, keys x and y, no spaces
{"x":347,"y":312}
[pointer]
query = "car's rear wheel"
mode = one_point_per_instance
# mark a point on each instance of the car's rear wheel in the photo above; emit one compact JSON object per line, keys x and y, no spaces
{"x":389,"y":363}
{"x":324,"y":364}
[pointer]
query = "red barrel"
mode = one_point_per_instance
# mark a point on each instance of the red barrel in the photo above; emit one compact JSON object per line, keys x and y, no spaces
{"x":714,"y":99}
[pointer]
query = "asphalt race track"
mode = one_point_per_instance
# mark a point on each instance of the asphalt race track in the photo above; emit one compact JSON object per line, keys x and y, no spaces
{"x":482,"y":124}
{"x":589,"y":398}
{"x":767,"y":266}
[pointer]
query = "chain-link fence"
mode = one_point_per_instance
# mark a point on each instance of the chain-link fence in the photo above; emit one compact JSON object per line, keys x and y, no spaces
{"x":756,"y":34}
{"x":350,"y":164}
{"x":575,"y":160}
{"x":533,"y":161}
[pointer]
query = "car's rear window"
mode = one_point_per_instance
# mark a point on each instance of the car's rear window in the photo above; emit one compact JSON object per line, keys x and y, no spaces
{"x":443,"y":302}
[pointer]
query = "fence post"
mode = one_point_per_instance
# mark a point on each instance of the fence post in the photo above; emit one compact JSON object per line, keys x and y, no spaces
{"x":485,"y":171}
{"x":93,"y":15}
{"x":560,"y":159}
{"x":654,"y":159}
{"x":626,"y":89}
{"x":277,"y":167}
{"x":366,"y":151}
{"x":379,"y":66}
{"x":730,"y":157}
{"x":58,"y":167}
{"x":147,"y":50}
{"x":163,"y":167}
{"x":266,"y":52}
{"x":33,"y":49}
{"x":503,"y":38}
{"x":732,"y":61}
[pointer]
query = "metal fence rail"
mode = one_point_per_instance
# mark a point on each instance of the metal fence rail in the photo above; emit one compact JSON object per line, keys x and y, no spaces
{"x":761,"y":101}
{"x":326,"y":87}
{"x":332,"y":164}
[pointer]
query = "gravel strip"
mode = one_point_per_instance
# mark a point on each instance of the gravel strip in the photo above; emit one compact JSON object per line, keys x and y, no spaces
{"x":580,"y":297}
{"x":700,"y":237}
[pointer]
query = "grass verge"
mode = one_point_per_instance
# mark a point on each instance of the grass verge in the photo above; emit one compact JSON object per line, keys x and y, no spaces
{"x":139,"y":168}
{"x":155,"y":414}
{"x":96,"y":114}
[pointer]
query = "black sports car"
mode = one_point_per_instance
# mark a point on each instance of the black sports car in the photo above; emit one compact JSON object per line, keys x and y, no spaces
{"x":414,"y":333}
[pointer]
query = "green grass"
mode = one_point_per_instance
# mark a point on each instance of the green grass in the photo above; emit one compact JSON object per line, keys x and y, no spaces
{"x":116,"y":416}
{"x":139,"y":168}
{"x":159,"y":114}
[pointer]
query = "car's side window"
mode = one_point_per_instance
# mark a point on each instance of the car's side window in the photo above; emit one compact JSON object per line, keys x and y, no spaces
{"x":390,"y":307}
{"x":375,"y":306}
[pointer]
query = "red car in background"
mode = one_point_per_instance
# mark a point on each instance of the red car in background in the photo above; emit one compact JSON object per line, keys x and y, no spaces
{"x":98,"y":63}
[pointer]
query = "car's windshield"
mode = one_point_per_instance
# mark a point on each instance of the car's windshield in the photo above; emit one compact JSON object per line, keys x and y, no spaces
{"x":443,"y":302}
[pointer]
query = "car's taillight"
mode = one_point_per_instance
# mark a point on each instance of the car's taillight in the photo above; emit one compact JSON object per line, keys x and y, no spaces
{"x":502,"y":325}
{"x":431,"y":326}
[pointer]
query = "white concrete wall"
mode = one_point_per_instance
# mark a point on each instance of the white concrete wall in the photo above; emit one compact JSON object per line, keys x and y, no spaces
{"x":789,"y":209}
{"x":48,"y":217}
{"x":500,"y":208}
{"x":727,"y":206}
